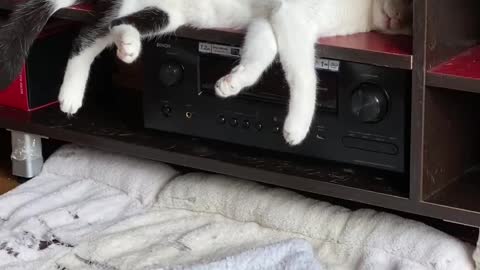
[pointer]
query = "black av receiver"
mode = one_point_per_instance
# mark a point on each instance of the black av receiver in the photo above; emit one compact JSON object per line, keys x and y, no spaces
{"x":362,"y":114}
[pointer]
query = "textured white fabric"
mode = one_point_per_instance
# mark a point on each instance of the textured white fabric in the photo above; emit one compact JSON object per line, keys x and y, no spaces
{"x":94,"y":210}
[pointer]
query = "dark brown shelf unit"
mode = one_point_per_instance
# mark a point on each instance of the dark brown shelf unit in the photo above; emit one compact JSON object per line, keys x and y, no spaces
{"x":449,"y":134}
{"x":445,"y":113}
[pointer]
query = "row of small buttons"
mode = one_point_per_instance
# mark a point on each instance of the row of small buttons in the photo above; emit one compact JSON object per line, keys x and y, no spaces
{"x":234,"y":122}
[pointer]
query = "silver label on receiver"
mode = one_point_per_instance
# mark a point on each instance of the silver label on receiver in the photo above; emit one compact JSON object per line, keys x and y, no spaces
{"x":327,"y":64}
{"x":217,"y":49}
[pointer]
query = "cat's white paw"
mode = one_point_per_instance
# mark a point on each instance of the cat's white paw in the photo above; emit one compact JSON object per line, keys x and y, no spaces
{"x":128,"y":50}
{"x":231,"y":84}
{"x":295,"y":131}
{"x":70,"y":101}
{"x":128,"y":42}
{"x":227,"y":86}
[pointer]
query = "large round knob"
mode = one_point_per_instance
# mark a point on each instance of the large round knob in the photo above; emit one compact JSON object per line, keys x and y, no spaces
{"x":369,"y":103}
{"x":170,"y":73}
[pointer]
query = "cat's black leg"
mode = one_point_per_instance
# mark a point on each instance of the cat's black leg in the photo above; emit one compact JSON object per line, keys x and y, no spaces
{"x":127,"y":31}
{"x":147,"y":21}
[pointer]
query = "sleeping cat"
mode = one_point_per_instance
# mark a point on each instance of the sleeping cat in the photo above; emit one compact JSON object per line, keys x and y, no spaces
{"x":288,"y":28}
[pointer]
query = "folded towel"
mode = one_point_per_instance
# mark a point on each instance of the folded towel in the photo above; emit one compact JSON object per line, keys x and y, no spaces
{"x":363,"y":239}
{"x":94,"y":210}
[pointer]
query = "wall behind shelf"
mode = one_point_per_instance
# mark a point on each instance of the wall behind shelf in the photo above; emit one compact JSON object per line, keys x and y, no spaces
{"x":7,"y":181}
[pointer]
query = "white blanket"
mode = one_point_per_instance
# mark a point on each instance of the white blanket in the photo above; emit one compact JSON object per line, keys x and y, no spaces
{"x":95,"y":210}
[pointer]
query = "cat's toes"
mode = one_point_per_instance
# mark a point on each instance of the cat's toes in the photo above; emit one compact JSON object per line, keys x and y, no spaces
{"x":70,"y":102}
{"x":227,"y":86}
{"x":128,"y":50}
{"x":295,"y":132}
{"x":128,"y":42}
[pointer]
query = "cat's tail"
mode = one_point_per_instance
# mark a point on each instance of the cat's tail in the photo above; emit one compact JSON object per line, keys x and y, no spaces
{"x":20,"y":31}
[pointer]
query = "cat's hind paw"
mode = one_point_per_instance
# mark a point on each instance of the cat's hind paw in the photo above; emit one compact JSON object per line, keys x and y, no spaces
{"x":294,"y":132}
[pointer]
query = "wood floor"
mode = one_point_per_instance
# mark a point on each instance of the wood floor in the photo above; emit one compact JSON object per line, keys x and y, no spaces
{"x":7,"y":181}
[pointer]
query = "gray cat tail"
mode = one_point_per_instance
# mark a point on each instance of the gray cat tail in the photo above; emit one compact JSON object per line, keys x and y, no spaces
{"x":18,"y":34}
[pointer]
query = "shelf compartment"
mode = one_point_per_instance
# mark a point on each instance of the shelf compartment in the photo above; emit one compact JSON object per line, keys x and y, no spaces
{"x":394,"y":51}
{"x":462,"y":72}
{"x":462,"y":194}
{"x":451,"y":150}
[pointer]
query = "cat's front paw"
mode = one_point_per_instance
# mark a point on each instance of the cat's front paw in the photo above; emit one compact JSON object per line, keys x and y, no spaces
{"x":295,"y":131}
{"x":70,"y":102}
{"x":231,"y":84}
{"x":128,"y":51}
{"x":128,"y":42}
{"x":227,"y":86}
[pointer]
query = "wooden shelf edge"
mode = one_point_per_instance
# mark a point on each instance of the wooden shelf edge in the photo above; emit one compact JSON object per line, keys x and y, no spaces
{"x":453,"y":82}
{"x":449,"y":214}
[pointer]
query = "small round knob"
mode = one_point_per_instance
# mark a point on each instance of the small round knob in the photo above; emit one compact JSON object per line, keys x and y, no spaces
{"x":170,"y":73}
{"x":369,"y":103}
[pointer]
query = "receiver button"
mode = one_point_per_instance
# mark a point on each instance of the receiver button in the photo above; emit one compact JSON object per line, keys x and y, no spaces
{"x":246,"y":124}
{"x":221,"y":119}
{"x":234,"y":122}
{"x":369,"y":145}
{"x":166,"y":110}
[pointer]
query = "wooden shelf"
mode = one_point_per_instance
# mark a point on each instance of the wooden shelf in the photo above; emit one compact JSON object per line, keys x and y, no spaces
{"x":461,"y":72}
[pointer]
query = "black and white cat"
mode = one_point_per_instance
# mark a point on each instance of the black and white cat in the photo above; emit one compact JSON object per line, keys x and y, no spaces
{"x":288,"y":28}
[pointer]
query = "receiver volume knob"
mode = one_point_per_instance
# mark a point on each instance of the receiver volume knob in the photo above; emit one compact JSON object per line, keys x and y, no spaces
{"x":170,"y":73}
{"x":369,"y":103}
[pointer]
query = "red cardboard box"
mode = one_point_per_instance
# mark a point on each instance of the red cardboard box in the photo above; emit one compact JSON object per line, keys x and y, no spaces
{"x":39,"y":82}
